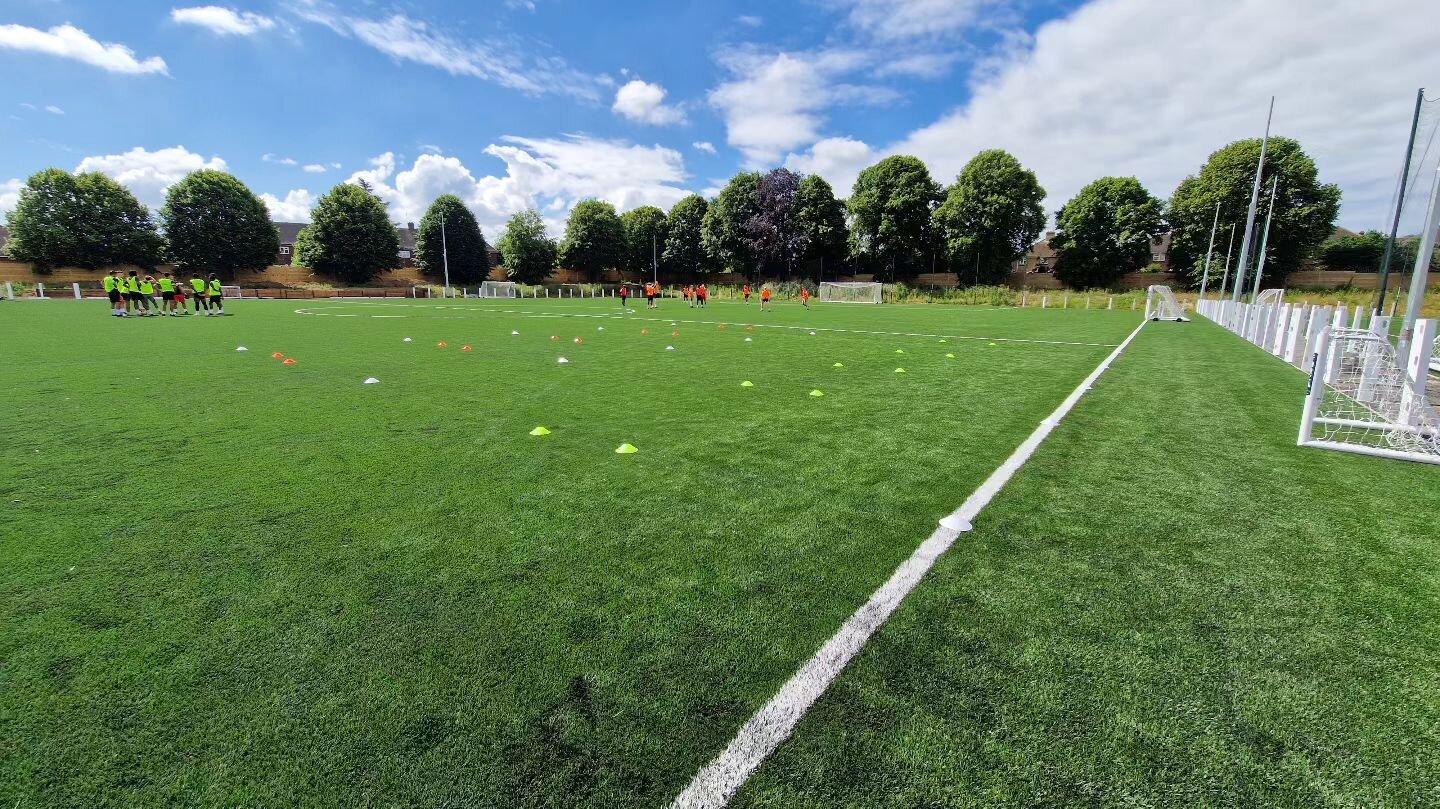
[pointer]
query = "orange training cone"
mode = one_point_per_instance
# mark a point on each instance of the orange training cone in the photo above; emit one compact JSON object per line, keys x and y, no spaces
{"x":288,"y":361}
{"x":440,"y":344}
{"x":465,"y":348}
{"x":277,"y":355}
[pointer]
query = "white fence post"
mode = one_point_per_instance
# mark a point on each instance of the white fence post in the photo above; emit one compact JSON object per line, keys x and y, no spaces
{"x":76,"y":287}
{"x":1066,"y":304}
{"x":1316,"y":393}
{"x":1417,"y":365}
{"x":1112,"y":303}
{"x":1024,"y":296}
{"x":9,"y":291}
{"x":1044,"y":301}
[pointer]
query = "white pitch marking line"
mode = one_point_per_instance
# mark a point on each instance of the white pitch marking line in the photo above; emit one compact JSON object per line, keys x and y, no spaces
{"x":609,"y":316}
{"x":717,"y":782}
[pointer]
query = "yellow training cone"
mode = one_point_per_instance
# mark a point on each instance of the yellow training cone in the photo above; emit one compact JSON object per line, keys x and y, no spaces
{"x":626,"y":449}
{"x":994,"y":344}
{"x":899,"y":370}
{"x":747,"y":384}
{"x":539,"y":431}
{"x":838,"y":365}
{"x":944,"y":341}
{"x":899,"y":351}
{"x":817,"y":392}
{"x":949,"y":356}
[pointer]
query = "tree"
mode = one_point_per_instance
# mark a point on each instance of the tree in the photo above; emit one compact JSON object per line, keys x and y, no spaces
{"x":890,"y":209}
{"x":685,"y":242}
{"x":774,"y":233}
{"x":1305,"y":209}
{"x":594,"y":238}
{"x":645,"y":233}
{"x":1363,"y":252}
{"x":213,"y":222}
{"x":990,"y":216}
{"x":724,"y":231}
{"x":303,"y":253}
{"x":83,"y":220}
{"x":821,"y":217}
{"x":1105,"y":232}
{"x":461,"y":242}
{"x":529,"y":253}
{"x":351,"y":235}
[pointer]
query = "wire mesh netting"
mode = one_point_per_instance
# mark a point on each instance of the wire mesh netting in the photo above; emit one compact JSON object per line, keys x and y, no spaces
{"x":1370,"y":401}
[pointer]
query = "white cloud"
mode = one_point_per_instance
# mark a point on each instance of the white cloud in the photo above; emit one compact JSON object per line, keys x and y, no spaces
{"x":335,"y":165}
{"x":150,"y":174}
{"x":69,"y":42}
{"x":704,"y":146}
{"x":284,"y":161}
{"x":920,"y":65}
{"x":54,"y":110}
{"x":838,"y":160}
{"x":549,"y":174}
{"x":27,"y":105}
{"x":315,"y":168}
{"x":775,"y":102}
{"x":9,"y":194}
{"x":295,"y":207}
{"x":750,"y":20}
{"x":892,"y":20}
{"x":645,"y":102}
{"x":223,"y":21}
{"x":502,"y":62}
{"x":430,"y":148}
{"x":1084,"y":102}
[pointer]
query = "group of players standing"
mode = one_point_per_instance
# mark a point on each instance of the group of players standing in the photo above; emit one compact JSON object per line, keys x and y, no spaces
{"x":135,"y":294}
{"x":698,"y":295}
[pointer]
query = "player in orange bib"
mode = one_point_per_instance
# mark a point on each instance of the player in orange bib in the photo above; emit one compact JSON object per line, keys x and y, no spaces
{"x":746,"y":290}
{"x":805,"y":297}
{"x":764,"y":298}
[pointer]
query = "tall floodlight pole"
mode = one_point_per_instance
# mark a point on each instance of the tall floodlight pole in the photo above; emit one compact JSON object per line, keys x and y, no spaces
{"x":1250,"y":214}
{"x":1265,"y":238}
{"x":445,"y":253}
{"x":1421,"y":273}
{"x":1205,"y":279}
{"x":1399,"y":204}
{"x":1228,"y":250}
{"x":654,"y":264}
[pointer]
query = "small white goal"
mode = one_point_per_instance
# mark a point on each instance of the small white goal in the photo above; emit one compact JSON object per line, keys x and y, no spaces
{"x":850,"y":292}
{"x":1160,"y":304}
{"x":231,"y":292}
{"x":499,"y":289}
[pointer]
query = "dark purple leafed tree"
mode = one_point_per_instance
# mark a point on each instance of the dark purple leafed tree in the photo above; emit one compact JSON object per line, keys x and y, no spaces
{"x":774,"y":232}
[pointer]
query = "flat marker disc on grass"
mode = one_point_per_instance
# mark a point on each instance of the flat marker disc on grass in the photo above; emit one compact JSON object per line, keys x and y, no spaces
{"x":817,"y":392}
{"x":626,"y":449}
{"x":669,"y":348}
{"x":241,"y":348}
{"x":812,"y":334}
{"x":441,"y":344}
{"x":370,"y":380}
{"x":899,"y":351}
{"x":838,"y":365}
{"x":747,"y":384}
{"x":287,"y":361}
{"x":949,"y":356}
{"x":563,"y":361}
{"x":748,"y":340}
{"x":277,"y":355}
{"x":899,"y":370}
{"x":944,"y":341}
{"x":406,"y":340}
{"x":466,"y":348}
{"x":994,"y":344}
{"x":539,"y":431}
{"x":512,"y":334}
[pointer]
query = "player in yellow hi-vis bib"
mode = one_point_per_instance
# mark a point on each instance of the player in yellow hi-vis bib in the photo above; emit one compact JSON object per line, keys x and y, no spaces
{"x":217,"y":297}
{"x":113,"y":291}
{"x":198,"y":285}
{"x":132,"y":294}
{"x":167,"y":294}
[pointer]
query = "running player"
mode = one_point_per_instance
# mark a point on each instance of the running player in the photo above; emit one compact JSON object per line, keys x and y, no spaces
{"x":217,"y":297}
{"x":703,"y":293}
{"x":746,"y":290}
{"x":197,"y":285}
{"x":624,"y":296}
{"x":805,"y":297}
{"x":167,"y":294}
{"x":113,"y":291}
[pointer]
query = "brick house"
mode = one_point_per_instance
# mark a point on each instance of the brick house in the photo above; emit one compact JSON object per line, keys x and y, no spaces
{"x":1041,"y":257}
{"x":290,"y":231}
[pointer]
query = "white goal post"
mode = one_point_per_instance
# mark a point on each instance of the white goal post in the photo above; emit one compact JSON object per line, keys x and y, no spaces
{"x":1362,"y":400}
{"x":231,"y":292}
{"x":850,"y":292}
{"x":499,"y":289}
{"x":1160,"y":304}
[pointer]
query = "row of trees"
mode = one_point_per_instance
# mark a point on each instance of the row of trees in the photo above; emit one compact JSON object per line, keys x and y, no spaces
{"x":897,"y":222}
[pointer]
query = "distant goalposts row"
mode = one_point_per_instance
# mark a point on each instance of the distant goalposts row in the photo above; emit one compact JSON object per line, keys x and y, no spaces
{"x":1365,"y":395}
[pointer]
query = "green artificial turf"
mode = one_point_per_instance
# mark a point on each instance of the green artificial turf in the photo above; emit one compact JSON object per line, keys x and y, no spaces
{"x":228,"y":581}
{"x":1170,"y":605}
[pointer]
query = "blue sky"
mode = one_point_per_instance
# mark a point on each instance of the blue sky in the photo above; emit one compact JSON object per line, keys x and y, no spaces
{"x":544,"y":102}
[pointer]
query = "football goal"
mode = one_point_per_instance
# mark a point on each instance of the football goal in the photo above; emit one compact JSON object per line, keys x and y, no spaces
{"x":499,"y":289}
{"x":850,"y":292}
{"x":231,"y":292}
{"x":1160,"y":304}
{"x":1362,"y":400}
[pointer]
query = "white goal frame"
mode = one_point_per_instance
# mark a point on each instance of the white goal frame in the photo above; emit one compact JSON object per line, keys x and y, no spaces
{"x":499,"y":289}
{"x":231,"y":292}
{"x":1160,"y":304}
{"x":851,"y":292}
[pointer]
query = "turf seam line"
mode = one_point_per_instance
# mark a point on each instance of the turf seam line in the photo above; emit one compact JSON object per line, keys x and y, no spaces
{"x":309,"y":310}
{"x":717,"y":782}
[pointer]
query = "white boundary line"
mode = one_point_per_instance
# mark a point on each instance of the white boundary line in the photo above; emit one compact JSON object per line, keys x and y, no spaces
{"x":316,"y":311}
{"x":717,"y":782}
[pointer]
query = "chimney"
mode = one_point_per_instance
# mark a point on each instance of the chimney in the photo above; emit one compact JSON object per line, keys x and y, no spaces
{"x":1049,"y":234}
{"x":410,"y":225}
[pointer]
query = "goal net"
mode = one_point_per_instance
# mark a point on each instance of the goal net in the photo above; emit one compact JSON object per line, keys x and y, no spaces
{"x":499,"y":289}
{"x":231,"y":292}
{"x":1362,"y":400}
{"x":850,"y":292}
{"x":1160,"y":304}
